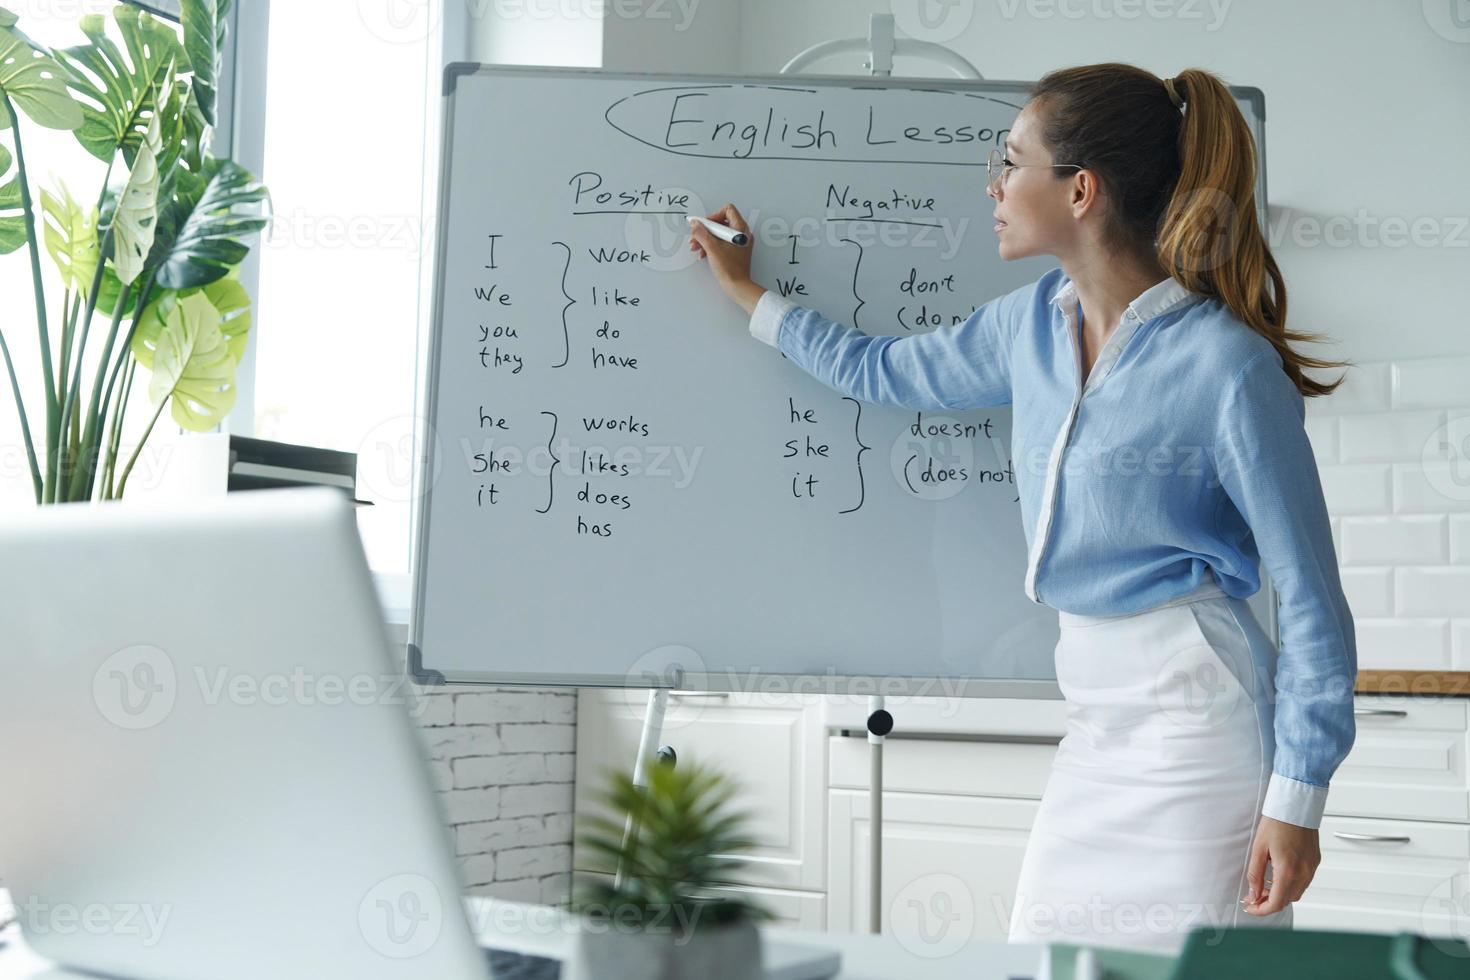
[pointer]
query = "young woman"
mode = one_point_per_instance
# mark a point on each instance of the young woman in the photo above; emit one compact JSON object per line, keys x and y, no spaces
{"x":1160,"y":454}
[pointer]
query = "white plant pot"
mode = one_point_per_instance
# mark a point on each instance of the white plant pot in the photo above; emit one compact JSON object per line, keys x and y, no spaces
{"x":603,"y":950}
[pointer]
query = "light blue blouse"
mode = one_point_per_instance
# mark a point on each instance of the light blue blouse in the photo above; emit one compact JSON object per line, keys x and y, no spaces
{"x":1183,"y":454}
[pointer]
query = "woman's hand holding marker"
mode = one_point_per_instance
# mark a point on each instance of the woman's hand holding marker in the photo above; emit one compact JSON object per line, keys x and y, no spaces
{"x":722,"y":231}
{"x":729,"y":262}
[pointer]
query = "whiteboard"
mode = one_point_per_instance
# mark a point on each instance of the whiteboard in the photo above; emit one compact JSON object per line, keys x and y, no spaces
{"x":619,"y":486}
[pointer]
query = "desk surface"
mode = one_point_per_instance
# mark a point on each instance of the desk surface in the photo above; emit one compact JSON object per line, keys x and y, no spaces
{"x":542,"y":930}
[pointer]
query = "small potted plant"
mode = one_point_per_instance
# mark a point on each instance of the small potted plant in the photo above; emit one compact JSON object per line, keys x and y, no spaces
{"x":664,"y":915}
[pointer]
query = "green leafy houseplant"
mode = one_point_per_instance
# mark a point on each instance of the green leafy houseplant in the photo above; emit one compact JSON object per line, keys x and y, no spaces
{"x":685,"y":842}
{"x":154,"y":261}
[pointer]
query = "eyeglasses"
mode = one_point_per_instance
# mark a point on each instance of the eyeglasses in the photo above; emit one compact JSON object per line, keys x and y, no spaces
{"x":998,"y":167}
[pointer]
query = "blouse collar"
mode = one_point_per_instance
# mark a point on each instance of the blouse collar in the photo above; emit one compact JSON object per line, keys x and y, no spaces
{"x":1160,"y":298}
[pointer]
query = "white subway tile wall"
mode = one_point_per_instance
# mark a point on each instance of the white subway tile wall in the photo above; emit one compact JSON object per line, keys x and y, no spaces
{"x":1393,"y":447}
{"x":503,"y":762}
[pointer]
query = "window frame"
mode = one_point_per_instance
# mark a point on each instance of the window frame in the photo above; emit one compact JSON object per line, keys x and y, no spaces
{"x":240,"y":135}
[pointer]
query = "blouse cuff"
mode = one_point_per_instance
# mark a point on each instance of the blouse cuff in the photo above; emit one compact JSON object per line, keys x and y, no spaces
{"x":1295,"y":802}
{"x":765,"y":319}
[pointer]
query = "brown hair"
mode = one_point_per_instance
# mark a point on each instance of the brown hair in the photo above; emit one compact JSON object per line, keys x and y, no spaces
{"x":1183,"y":187}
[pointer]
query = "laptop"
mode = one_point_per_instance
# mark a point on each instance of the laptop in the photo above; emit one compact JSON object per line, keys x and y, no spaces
{"x":213,"y":768}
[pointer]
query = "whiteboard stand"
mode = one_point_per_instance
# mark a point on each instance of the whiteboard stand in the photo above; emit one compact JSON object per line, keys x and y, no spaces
{"x":881,"y":46}
{"x":653,"y":723}
{"x":880,"y":723}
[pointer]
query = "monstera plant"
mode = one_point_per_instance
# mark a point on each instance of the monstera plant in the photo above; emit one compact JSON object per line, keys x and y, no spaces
{"x":147,"y":269}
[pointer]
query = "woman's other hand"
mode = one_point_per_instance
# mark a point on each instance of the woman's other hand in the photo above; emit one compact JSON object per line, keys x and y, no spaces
{"x":1294,"y":855}
{"x":729,"y":262}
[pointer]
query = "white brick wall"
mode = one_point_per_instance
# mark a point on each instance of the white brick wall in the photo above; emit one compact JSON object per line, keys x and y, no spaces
{"x":1393,"y":447}
{"x":503,"y":759}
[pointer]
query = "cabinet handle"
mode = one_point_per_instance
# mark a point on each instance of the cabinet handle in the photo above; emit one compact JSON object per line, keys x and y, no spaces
{"x":699,"y":694}
{"x":1384,"y":712}
{"x":1384,"y":838}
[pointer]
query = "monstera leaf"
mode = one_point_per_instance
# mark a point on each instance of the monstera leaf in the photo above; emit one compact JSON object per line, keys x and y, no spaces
{"x":71,"y":237}
{"x":31,"y":80}
{"x":12,"y":217}
{"x":192,"y":364}
{"x":136,"y":214}
{"x":203,"y":22}
{"x":227,"y":296}
{"x":121,"y":89}
{"x":232,"y":303}
{"x":178,"y":142}
{"x":200,"y":230}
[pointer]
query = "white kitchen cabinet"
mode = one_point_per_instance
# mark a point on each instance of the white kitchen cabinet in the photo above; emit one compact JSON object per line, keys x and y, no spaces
{"x":1390,"y":875}
{"x":1396,"y":832}
{"x":958,"y":807}
{"x":772,"y":745}
{"x":950,"y":863}
{"x":1408,"y":760}
{"x":956,"y":815}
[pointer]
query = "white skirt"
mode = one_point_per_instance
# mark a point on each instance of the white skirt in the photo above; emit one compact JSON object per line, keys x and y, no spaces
{"x":1147,"y":819}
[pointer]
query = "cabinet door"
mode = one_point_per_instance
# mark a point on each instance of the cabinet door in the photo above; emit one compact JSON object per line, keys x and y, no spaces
{"x":1408,"y":760}
{"x":950,"y":866}
{"x":771,"y":745}
{"x":1388,"y":875}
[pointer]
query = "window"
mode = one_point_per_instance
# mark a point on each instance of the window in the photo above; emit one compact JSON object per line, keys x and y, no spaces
{"x":351,"y":113}
{"x":338,"y":301}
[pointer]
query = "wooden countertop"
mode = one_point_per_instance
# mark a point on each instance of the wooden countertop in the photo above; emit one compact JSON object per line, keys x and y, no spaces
{"x":1443,"y":683}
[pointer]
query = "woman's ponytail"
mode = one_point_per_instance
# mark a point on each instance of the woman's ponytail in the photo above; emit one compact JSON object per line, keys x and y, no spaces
{"x":1210,"y":239}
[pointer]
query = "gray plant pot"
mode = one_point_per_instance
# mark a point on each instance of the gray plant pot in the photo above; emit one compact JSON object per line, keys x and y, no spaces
{"x":607,"y":951}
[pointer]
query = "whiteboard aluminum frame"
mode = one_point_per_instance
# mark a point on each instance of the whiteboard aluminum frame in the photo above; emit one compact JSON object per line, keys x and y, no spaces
{"x":765,"y":683}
